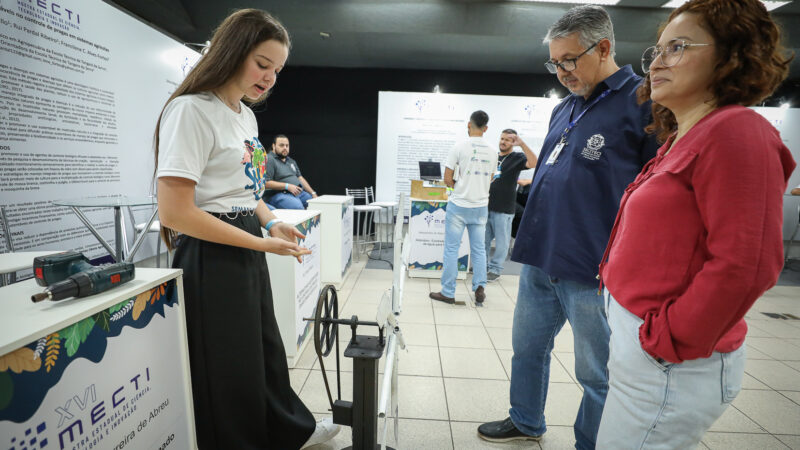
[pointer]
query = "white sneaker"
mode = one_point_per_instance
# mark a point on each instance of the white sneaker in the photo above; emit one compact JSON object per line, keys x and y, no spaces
{"x":324,"y":432}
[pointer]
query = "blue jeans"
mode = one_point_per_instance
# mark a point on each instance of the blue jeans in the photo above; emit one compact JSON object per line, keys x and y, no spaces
{"x":498,"y":227}
{"x":544,"y":303}
{"x":662,"y":405}
{"x":285,"y":200}
{"x":456,"y":219}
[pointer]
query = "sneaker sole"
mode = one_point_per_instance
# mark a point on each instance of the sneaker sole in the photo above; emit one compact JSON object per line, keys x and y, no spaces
{"x":516,"y":438}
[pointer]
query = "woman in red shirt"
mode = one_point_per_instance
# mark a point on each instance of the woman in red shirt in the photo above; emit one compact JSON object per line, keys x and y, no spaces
{"x":698,"y":235}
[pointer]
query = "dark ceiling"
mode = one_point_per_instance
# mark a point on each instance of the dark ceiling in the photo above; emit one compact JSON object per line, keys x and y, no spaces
{"x":460,"y":35}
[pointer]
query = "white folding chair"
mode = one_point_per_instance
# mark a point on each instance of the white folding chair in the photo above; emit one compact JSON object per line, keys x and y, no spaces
{"x":365,"y":211}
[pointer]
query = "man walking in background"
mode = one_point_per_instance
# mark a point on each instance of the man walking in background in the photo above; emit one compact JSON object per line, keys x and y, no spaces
{"x":468,"y":171}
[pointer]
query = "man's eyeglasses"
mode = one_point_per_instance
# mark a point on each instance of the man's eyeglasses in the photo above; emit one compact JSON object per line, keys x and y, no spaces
{"x":670,"y":55}
{"x":568,"y":65}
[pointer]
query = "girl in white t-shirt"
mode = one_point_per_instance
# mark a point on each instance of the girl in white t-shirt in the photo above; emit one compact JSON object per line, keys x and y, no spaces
{"x":210,"y":167}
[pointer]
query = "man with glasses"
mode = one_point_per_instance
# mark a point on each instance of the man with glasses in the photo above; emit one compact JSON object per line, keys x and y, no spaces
{"x":595,"y":147}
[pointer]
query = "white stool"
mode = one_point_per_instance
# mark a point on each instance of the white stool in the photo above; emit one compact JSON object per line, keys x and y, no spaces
{"x":366,"y":211}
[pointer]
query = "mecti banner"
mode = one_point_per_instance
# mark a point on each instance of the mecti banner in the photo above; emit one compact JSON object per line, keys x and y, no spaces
{"x":110,"y":381}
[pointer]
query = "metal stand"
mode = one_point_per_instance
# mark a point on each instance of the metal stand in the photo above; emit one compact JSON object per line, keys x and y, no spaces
{"x":120,"y":251}
{"x":362,"y":413}
{"x":366,"y":351}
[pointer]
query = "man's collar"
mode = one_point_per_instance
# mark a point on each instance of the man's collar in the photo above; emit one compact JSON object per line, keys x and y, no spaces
{"x":618,"y":79}
{"x":614,"y":82}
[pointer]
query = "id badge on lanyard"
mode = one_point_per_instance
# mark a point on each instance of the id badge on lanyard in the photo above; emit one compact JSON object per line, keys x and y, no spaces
{"x":556,"y":151}
{"x":563,"y":141}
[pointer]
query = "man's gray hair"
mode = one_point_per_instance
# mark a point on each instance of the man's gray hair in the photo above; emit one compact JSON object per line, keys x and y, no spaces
{"x":591,"y":22}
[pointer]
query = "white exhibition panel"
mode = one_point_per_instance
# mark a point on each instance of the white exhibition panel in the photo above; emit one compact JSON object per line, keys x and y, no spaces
{"x":787,"y":121}
{"x":422,"y":126}
{"x":82,"y":84}
{"x":336,"y":246}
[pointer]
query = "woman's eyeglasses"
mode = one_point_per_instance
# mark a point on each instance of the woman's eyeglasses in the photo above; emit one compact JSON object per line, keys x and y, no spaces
{"x":670,"y":55}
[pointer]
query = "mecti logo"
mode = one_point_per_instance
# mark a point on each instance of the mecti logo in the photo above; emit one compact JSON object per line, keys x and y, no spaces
{"x":30,"y":441}
{"x":103,"y":416}
{"x":56,"y":9}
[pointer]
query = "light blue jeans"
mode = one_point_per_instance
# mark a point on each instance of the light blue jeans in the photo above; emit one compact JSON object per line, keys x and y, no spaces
{"x":285,"y":200}
{"x":544,"y":303}
{"x":456,"y":219}
{"x":653,"y":405}
{"x":498,"y":227}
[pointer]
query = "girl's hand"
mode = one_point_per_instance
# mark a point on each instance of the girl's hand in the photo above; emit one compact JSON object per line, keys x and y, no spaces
{"x":289,"y":234}
{"x":282,"y":247}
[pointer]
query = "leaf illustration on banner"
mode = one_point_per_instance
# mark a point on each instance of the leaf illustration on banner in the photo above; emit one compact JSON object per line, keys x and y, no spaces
{"x":20,"y":360}
{"x":102,"y":319}
{"x":157,"y":292}
{"x":76,"y":334}
{"x":6,"y":390}
{"x":124,"y":308}
{"x":40,"y":345}
{"x":140,"y":304}
{"x":53,"y":346}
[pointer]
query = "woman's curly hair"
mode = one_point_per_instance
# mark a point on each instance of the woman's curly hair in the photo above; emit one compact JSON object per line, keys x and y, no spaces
{"x":751,"y":62}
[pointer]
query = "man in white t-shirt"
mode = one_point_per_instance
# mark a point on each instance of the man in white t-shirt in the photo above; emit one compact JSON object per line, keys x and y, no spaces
{"x":468,"y":170}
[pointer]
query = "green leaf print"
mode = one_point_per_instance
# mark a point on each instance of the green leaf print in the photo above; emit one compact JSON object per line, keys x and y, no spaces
{"x":76,"y":334}
{"x":102,"y":319}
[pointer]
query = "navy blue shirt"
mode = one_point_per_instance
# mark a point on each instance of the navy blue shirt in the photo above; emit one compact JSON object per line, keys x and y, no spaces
{"x":573,"y":202}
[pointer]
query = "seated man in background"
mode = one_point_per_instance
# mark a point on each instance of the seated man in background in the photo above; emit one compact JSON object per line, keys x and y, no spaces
{"x":286,"y":187}
{"x":795,"y":191}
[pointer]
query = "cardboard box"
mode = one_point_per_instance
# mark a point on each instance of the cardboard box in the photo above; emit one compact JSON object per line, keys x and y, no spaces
{"x":418,"y":190}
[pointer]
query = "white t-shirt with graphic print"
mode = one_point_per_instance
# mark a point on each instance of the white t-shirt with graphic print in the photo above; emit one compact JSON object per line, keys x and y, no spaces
{"x":474,"y":163}
{"x":205,"y":141}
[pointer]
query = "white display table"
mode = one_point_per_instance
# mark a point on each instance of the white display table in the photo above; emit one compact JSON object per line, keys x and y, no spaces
{"x":336,"y":249}
{"x":296,"y":285}
{"x":16,"y":261}
{"x":96,"y":371}
{"x":426,"y":227}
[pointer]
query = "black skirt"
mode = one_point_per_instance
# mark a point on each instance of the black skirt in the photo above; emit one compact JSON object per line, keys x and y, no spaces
{"x":240,"y":379}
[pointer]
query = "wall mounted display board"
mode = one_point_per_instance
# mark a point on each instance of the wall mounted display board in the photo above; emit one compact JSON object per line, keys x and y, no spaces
{"x":423,"y":126}
{"x":81,"y":87}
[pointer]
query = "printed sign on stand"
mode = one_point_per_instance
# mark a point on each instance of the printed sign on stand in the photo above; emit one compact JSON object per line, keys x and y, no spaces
{"x":111,"y":380}
{"x":306,"y":277}
{"x":426,"y":228}
{"x":347,"y":235}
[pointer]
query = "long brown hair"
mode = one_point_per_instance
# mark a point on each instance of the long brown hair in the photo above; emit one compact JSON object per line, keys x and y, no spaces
{"x":751,"y":62}
{"x":232,"y":42}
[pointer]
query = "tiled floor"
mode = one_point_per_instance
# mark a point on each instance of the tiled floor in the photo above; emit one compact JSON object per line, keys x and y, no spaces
{"x":455,"y":373}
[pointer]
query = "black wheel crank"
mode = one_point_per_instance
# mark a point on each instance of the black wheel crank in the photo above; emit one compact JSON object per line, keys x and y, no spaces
{"x":325,"y":331}
{"x":325,"y":335}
